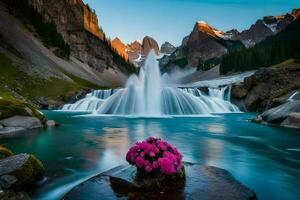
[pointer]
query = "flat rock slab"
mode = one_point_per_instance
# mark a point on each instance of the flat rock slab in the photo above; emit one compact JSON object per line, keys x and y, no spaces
{"x":23,"y":122}
{"x":202,"y":182}
{"x":8,"y":131}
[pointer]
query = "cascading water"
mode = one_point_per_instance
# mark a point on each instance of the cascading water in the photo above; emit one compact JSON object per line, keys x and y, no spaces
{"x":148,"y":94}
{"x":91,"y":102}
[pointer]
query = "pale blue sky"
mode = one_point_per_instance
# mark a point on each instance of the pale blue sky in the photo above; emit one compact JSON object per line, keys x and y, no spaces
{"x":171,"y":20}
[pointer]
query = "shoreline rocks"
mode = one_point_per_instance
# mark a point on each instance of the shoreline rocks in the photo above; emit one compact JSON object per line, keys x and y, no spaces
{"x":285,"y":115}
{"x":18,"y":173}
{"x":17,"y":116}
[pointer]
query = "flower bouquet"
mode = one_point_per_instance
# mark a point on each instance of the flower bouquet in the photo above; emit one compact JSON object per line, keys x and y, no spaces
{"x":158,"y":163}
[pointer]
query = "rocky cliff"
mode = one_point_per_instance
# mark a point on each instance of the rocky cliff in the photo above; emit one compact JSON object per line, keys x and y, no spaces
{"x":206,"y":44}
{"x":269,"y":87}
{"x":79,"y":28}
{"x":150,"y":43}
{"x":167,"y":48}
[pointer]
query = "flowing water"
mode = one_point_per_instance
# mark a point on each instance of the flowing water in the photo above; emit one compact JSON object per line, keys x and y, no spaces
{"x":149,"y":94}
{"x":265,"y":158}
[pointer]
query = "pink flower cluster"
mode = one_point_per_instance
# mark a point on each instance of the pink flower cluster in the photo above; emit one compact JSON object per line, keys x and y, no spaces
{"x":155,"y":155}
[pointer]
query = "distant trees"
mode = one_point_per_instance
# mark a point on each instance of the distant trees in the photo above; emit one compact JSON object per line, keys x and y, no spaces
{"x":273,"y":50}
{"x":129,"y":68}
{"x":46,"y":30}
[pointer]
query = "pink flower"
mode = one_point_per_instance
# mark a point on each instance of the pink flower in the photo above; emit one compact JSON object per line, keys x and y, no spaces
{"x":148,"y":168}
{"x":155,"y":164}
{"x":152,"y":154}
{"x":155,"y":154}
{"x":139,"y":162}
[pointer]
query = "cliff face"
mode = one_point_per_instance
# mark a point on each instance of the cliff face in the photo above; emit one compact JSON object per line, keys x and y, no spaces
{"x":79,"y":27}
{"x":90,"y":22}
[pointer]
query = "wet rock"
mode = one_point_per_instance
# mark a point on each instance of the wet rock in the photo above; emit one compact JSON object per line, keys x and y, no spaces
{"x":292,"y":121}
{"x":7,"y":131}
{"x":238,"y":92}
{"x":22,"y":122}
{"x":12,"y":195}
{"x":280,"y":113}
{"x":258,"y":119}
{"x":51,"y":123}
{"x":7,"y":181}
{"x":209,"y":183}
{"x":24,"y":167}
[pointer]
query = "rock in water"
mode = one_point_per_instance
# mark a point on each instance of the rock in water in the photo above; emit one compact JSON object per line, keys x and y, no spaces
{"x":280,"y":113}
{"x":23,"y":122}
{"x":292,"y":121}
{"x":209,"y":183}
{"x":51,"y":123}
{"x":25,"y":168}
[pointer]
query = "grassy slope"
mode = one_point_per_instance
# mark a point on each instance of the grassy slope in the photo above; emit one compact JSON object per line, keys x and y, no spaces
{"x":14,"y":81}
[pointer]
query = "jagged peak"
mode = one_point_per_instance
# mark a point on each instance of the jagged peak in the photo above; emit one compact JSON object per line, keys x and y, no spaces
{"x":206,"y":28}
{"x":296,"y":12}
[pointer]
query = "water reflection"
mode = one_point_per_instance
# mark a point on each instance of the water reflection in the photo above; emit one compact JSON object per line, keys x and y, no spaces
{"x":262,"y":157}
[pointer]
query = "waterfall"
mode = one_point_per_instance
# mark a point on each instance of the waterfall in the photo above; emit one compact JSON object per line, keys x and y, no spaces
{"x":147,"y":94}
{"x":91,"y":102}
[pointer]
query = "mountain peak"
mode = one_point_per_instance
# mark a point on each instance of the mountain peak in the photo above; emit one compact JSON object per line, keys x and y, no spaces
{"x":206,"y":28}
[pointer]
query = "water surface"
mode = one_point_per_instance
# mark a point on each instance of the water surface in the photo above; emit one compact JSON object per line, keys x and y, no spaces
{"x":265,"y":158}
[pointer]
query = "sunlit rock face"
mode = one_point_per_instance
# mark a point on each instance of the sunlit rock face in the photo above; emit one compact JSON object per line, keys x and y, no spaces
{"x":78,"y":24}
{"x":120,"y":48}
{"x":150,"y":43}
{"x":202,"y":44}
{"x":91,"y":23}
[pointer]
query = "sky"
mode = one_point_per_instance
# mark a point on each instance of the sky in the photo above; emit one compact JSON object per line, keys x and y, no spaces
{"x":171,"y":20}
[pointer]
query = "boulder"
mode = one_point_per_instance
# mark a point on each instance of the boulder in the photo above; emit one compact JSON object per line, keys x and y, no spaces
{"x":25,"y":168}
{"x":210,"y":183}
{"x":23,"y":122}
{"x":4,"y":152}
{"x":1,"y":126}
{"x":51,"y":123}
{"x":280,"y":113}
{"x":292,"y":121}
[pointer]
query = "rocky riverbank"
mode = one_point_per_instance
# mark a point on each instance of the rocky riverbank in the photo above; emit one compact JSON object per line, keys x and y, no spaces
{"x":285,"y":115}
{"x":18,"y":173}
{"x":17,"y":116}
{"x":269,"y":87}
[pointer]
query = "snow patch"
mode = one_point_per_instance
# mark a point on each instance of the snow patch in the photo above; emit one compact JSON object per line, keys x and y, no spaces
{"x":272,"y":27}
{"x":202,"y":22}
